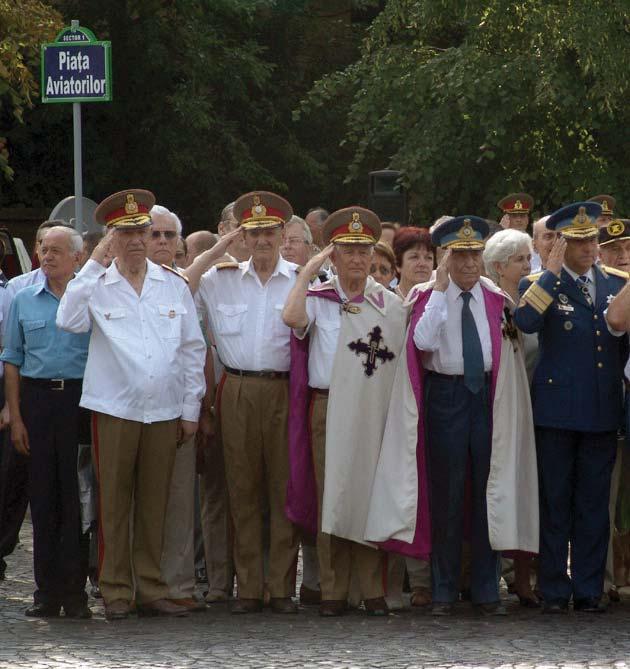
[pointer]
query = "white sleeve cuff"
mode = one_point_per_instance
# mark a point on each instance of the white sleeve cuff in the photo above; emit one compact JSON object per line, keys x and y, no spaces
{"x":190,"y":412}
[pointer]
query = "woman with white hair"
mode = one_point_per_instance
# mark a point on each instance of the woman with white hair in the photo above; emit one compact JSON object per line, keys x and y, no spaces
{"x":507,"y":258}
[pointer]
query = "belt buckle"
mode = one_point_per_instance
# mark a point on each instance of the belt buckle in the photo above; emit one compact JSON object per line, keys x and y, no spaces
{"x":61,"y":383}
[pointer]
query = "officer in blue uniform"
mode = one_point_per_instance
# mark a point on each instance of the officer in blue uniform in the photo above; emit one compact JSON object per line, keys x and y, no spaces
{"x":577,"y":397}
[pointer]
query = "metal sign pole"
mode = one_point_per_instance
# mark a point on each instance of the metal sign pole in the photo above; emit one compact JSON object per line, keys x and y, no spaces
{"x":78,"y":182}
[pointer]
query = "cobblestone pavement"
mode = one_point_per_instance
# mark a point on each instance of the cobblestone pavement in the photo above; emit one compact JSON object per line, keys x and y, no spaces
{"x":215,"y":639}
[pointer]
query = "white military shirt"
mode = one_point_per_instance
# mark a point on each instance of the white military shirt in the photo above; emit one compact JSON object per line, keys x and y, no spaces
{"x":439,"y":331}
{"x":245,"y":317}
{"x":146,"y":356}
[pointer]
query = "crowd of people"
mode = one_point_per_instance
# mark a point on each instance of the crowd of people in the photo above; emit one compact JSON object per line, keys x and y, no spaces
{"x":427,"y":410}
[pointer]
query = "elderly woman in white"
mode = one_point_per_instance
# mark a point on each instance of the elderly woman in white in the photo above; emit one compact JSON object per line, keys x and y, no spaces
{"x":507,"y":259}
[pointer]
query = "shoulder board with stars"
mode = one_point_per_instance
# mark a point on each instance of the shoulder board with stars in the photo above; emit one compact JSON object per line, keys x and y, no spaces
{"x":226,"y":265}
{"x":534,"y":277}
{"x":615,"y":272}
{"x":175,"y":272}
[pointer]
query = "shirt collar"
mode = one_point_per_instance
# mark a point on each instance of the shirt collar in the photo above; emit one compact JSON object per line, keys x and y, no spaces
{"x":112,"y":275}
{"x":43,"y":286}
{"x":454,"y":291}
{"x":575,"y":276}
{"x":282,"y":267}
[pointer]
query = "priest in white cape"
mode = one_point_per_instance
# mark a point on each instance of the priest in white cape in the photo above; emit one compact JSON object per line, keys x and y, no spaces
{"x":502,"y":499}
{"x":348,"y":334}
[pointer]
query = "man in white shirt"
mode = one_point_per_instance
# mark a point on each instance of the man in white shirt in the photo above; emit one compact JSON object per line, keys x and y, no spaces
{"x":243,"y":305}
{"x":144,"y":382}
{"x":454,"y":335}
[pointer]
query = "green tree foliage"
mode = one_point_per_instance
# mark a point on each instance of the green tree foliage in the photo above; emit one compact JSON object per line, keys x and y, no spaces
{"x":24,"y":26}
{"x":203,"y":97}
{"x":474,"y":98}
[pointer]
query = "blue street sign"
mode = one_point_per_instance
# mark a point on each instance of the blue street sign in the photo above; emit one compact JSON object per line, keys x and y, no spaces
{"x":76,"y":68}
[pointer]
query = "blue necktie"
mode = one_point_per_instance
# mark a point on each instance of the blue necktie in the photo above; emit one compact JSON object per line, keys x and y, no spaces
{"x":471,"y":348}
{"x":582,"y":282}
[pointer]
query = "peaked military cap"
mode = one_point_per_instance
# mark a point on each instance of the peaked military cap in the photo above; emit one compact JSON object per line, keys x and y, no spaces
{"x":461,"y":233}
{"x":516,"y":203}
{"x":261,"y":209}
{"x":576,"y":221}
{"x":618,"y":228}
{"x":126,"y":209}
{"x":352,"y":225}
{"x":608,"y":204}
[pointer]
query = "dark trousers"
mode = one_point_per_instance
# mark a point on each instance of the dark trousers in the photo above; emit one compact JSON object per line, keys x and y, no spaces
{"x":574,"y":470}
{"x":56,"y":425}
{"x":13,"y":491}
{"x":459,"y":445}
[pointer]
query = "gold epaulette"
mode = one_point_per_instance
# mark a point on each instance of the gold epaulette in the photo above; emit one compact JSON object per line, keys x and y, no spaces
{"x":534,"y":277}
{"x":175,"y":272}
{"x":615,"y":272}
{"x":226,"y":265}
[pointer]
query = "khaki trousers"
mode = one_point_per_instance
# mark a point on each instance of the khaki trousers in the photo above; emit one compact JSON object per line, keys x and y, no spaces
{"x":215,"y":519}
{"x":338,"y":558}
{"x":134,"y":463}
{"x":254,"y":416}
{"x":178,"y":554}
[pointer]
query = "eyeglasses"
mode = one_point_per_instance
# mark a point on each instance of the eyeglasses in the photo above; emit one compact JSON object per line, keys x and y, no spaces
{"x":167,"y":234}
{"x":294,"y":241}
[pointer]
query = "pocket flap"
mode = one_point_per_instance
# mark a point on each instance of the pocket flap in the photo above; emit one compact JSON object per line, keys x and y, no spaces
{"x":111,"y":314}
{"x":171,"y":310}
{"x":231,"y":309}
{"x":33,"y":325}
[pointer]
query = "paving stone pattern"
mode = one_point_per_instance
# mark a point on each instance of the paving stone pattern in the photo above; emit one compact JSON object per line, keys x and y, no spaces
{"x":410,"y":639}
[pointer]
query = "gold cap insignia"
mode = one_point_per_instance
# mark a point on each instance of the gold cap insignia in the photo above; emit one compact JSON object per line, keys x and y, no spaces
{"x":258,"y":210}
{"x":605,"y":208}
{"x":518,"y":206}
{"x":355,"y":224}
{"x":466,"y":230}
{"x":582,"y":219}
{"x":131,"y":206}
{"x":615,"y":228}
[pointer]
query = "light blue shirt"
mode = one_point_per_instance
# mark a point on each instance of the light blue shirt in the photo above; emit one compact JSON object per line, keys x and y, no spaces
{"x":35,"y":344}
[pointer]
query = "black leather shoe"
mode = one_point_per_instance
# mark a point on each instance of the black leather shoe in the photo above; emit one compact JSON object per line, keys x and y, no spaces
{"x":555,"y":606}
{"x":242,"y":606}
{"x":80,"y":611}
{"x":3,"y":569}
{"x":42,"y":611}
{"x":376,"y":607}
{"x":589,"y":605}
{"x":442,"y":609}
{"x":283,"y":605}
{"x":490,"y":609}
{"x":331,"y":608}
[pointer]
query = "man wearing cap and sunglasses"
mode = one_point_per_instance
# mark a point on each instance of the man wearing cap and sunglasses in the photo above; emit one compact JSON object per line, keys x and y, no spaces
{"x":144,"y":384}
{"x":242,"y":303}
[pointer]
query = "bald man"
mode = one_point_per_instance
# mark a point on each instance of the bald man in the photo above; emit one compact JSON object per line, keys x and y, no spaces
{"x":198,"y":242}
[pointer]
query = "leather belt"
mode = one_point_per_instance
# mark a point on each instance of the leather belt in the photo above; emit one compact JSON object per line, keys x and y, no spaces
{"x":319,"y":391}
{"x":52,"y":384}
{"x":263,"y":374}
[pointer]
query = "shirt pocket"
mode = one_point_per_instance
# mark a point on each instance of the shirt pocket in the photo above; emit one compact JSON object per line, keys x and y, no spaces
{"x":229,"y":318}
{"x":115,"y":323}
{"x":278,"y":326}
{"x":170,"y":320}
{"x":34,"y":333}
{"x":329,"y":333}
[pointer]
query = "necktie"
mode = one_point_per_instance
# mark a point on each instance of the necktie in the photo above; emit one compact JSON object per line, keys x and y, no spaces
{"x":582,"y":282}
{"x":471,"y":348}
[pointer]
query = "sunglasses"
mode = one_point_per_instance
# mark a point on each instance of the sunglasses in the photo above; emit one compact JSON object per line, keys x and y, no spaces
{"x":167,"y":234}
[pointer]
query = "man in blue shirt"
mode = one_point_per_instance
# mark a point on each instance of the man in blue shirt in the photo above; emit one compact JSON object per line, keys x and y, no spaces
{"x":43,"y":377}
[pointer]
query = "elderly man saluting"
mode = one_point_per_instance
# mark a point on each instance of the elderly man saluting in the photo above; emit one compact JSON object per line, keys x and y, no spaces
{"x":144,"y":382}
{"x":43,"y":372}
{"x":351,"y":330}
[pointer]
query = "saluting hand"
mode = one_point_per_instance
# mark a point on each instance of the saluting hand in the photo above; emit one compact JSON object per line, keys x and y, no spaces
{"x":556,"y":256}
{"x":103,"y":250}
{"x":441,"y":273}
{"x":313,"y":266}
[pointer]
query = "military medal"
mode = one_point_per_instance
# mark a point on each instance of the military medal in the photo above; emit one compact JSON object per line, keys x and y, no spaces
{"x":568,"y":325}
{"x":349,"y":308}
{"x":563,"y":298}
